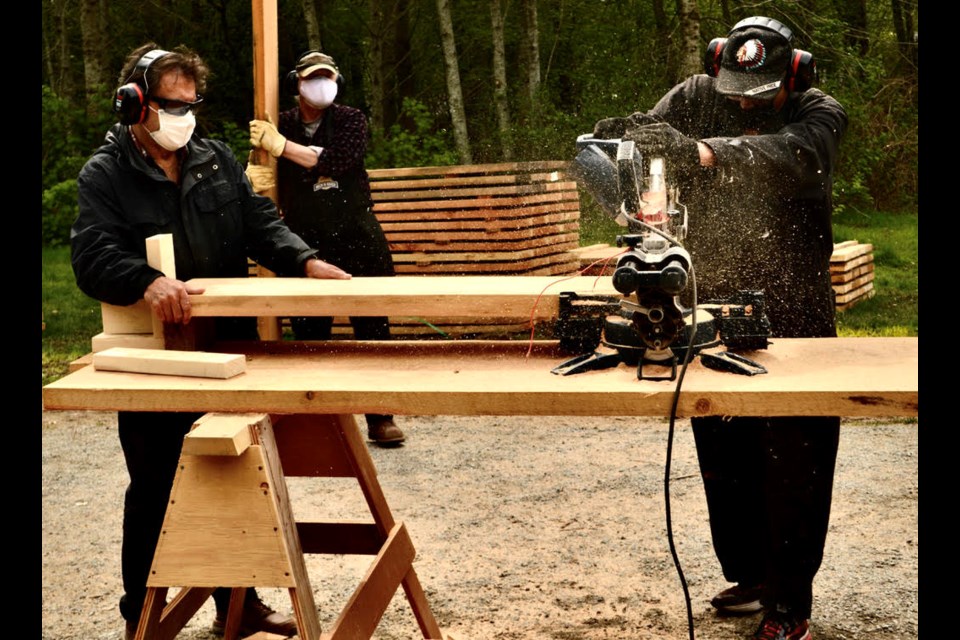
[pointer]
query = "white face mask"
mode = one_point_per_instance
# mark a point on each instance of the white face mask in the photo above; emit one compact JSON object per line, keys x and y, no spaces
{"x":318,"y":92}
{"x":174,"y":131}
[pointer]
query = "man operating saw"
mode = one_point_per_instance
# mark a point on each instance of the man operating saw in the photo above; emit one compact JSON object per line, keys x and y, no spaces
{"x":752,"y":148}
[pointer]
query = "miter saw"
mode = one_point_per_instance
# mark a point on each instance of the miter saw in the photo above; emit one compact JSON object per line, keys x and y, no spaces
{"x":649,"y":326}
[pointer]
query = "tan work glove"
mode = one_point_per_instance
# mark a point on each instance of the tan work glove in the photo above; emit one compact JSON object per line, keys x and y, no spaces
{"x":264,"y":135}
{"x":261,"y":177}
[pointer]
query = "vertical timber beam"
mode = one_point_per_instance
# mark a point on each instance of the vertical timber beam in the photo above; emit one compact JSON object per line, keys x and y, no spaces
{"x":266,"y":106}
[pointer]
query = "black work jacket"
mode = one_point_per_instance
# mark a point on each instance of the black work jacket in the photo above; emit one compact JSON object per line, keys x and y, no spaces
{"x":216,"y":220}
{"x":761,"y":219}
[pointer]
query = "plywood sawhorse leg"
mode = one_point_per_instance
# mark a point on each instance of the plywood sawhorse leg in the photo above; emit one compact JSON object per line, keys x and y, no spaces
{"x":229,"y":522}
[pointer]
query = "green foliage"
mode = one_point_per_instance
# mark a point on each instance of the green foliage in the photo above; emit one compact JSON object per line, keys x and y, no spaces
{"x":237,"y":138}
{"x":70,"y":135}
{"x":70,"y":318}
{"x":58,"y":211}
{"x":417,"y":145}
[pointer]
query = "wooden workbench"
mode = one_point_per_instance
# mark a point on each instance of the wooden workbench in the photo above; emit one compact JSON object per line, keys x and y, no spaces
{"x":838,"y":376}
{"x":320,"y":386}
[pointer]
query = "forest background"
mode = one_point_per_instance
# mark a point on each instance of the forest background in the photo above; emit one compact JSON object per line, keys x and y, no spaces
{"x":482,"y":80}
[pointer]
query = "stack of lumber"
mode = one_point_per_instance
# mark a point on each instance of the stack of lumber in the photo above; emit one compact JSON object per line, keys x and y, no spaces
{"x":851,"y":272}
{"x":851,"y":268}
{"x":517,"y":218}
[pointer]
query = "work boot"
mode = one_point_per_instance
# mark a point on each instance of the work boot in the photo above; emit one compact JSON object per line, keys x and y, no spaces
{"x":257,"y":617}
{"x":740,"y":599}
{"x":385,"y":433}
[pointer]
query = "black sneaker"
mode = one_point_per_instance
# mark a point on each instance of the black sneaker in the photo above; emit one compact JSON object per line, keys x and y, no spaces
{"x":778,"y":625}
{"x":739,"y":600}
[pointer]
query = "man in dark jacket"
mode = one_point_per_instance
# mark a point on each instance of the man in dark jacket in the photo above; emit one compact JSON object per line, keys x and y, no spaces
{"x":324,"y":194}
{"x":152,"y":175}
{"x":753,"y":150}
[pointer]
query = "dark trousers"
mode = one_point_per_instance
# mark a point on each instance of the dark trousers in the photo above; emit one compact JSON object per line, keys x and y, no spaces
{"x":364,"y":328}
{"x":151,"y":444}
{"x":768,"y":483}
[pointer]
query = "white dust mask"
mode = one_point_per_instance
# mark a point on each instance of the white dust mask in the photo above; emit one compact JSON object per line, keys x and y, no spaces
{"x":318,"y":92}
{"x":174,"y":131}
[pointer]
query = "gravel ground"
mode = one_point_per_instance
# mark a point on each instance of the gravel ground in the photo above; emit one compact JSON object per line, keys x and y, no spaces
{"x":524,"y":528}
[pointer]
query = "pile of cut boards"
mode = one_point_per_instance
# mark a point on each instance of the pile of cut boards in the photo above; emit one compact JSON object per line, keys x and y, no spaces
{"x":851,"y":272}
{"x":851,"y":268}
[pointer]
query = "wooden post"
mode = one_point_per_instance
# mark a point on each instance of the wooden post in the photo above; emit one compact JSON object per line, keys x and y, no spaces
{"x":266,"y":105}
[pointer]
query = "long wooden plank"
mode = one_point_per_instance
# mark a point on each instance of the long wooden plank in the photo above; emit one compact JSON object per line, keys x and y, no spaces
{"x":850,"y":303}
{"x":446,"y":193}
{"x":498,"y":251}
{"x":558,"y":263}
{"x":485,"y":225}
{"x":486,"y":235}
{"x":849,"y":252}
{"x":807,"y":376}
{"x":470,"y":169}
{"x":852,"y":274}
{"x":447,"y":181}
{"x":486,"y":202}
{"x":489,"y":215}
{"x":843,"y":267}
{"x":859,"y":292}
{"x":473,"y":296}
{"x":557,"y":246}
{"x":170,"y":363}
{"x":853,"y":284}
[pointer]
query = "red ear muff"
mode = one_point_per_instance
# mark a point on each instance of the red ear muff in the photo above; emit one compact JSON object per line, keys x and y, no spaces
{"x":711,"y":60}
{"x":131,"y":98}
{"x":802,"y":73}
{"x":131,"y":104}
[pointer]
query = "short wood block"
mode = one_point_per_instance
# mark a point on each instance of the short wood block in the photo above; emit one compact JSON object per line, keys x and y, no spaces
{"x":134,"y":319}
{"x":104,"y":341}
{"x":219,"y":435}
{"x":171,"y":363}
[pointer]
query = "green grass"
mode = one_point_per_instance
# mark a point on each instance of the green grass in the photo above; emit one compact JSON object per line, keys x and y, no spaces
{"x":70,"y":318}
{"x":894,"y":309}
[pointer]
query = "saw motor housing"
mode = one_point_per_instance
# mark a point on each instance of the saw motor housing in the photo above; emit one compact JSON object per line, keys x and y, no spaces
{"x":649,"y":324}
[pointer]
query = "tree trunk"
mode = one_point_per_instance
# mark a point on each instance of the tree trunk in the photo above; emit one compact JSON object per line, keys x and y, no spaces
{"x":854,"y":16}
{"x":95,"y":75}
{"x":312,"y":24}
{"x":402,"y":63}
{"x":691,"y":57}
{"x":375,"y":74}
{"x":500,"y":80}
{"x":663,"y":52}
{"x":906,"y":40}
{"x":454,"y":93}
{"x":530,"y":53}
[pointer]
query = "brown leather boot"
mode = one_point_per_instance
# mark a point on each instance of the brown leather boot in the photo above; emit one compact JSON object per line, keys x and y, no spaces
{"x":257,"y":617}
{"x":385,"y":433}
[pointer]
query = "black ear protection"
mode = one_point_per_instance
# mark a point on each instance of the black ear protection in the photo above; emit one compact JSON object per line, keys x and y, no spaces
{"x":131,"y":99}
{"x":291,"y":81}
{"x":801,"y":72}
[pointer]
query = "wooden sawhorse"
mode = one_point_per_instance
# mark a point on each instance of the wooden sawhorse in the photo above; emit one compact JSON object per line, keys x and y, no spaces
{"x":229,"y":523}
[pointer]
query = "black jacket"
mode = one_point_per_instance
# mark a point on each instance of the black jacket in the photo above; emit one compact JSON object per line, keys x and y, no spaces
{"x":329,"y":205}
{"x":761,"y":219}
{"x":216,"y":219}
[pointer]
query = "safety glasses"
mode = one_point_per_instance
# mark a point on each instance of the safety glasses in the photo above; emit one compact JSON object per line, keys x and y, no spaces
{"x":177,"y":107}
